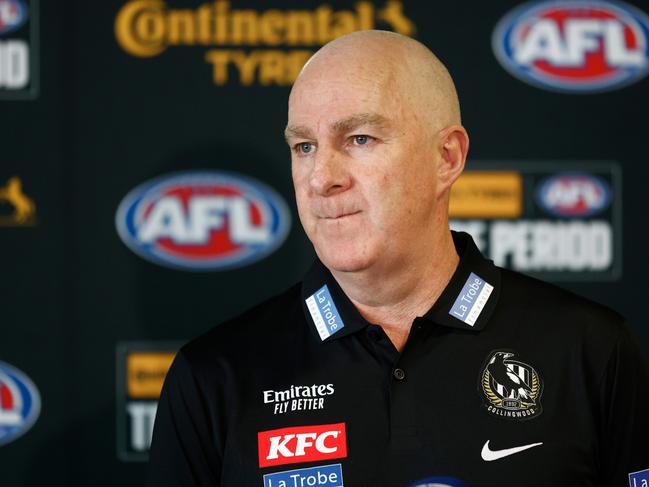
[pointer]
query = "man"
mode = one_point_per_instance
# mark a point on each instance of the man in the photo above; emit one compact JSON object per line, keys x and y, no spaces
{"x":404,"y":355}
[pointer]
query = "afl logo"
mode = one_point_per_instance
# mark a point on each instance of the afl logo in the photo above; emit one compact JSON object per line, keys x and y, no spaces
{"x":582,"y":46}
{"x":13,"y":15}
{"x":574,"y":195}
{"x":20,"y":403}
{"x":203,"y":220}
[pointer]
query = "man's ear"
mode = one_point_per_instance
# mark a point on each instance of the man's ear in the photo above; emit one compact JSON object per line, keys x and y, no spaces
{"x":453,"y":147}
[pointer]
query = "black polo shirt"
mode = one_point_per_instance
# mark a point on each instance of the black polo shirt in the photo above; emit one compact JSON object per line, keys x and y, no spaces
{"x":505,"y":381}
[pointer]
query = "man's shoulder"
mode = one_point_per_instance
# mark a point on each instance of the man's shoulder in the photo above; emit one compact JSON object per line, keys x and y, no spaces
{"x":260,"y":326}
{"x":562,"y":309}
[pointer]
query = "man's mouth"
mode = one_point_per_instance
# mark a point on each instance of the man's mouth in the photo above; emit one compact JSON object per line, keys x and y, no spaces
{"x":341,"y":216}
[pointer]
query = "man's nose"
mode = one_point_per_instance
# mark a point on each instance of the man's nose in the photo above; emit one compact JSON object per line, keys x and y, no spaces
{"x":330,"y":175}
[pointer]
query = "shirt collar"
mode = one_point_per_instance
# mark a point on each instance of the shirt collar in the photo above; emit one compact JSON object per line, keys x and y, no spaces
{"x":467,"y":302}
{"x":475,"y":284}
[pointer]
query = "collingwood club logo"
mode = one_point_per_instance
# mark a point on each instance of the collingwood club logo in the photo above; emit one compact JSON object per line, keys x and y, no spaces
{"x":510,"y":388}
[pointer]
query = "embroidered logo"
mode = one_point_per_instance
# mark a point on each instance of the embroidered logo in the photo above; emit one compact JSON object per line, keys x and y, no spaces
{"x":510,"y":388}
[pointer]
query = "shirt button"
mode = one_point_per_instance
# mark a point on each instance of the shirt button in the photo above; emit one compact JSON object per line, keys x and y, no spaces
{"x":399,"y":374}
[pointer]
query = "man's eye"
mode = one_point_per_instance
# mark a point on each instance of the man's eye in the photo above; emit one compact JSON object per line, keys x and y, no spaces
{"x":304,"y":147}
{"x":362,"y":139}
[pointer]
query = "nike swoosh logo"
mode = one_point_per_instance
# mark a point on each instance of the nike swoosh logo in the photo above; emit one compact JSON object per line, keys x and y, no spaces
{"x":491,"y":455}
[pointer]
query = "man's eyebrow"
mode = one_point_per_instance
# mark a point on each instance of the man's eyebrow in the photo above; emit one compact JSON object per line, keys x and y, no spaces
{"x":346,"y":124}
{"x":354,"y":121}
{"x":299,"y":131}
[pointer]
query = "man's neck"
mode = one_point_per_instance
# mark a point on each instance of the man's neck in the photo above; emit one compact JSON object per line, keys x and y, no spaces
{"x":393,"y":299}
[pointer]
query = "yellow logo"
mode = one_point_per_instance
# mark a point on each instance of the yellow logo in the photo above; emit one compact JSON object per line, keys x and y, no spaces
{"x":487,"y":194}
{"x":24,"y":209}
{"x":145,"y":373}
{"x":280,"y":38}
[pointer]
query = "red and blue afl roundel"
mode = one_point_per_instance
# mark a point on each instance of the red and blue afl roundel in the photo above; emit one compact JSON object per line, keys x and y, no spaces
{"x":574,"y":195}
{"x":579,"y":46}
{"x":20,"y":403}
{"x":13,"y":15}
{"x":203,"y":220}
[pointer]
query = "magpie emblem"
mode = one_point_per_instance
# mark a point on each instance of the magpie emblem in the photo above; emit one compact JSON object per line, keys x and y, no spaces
{"x":510,"y":388}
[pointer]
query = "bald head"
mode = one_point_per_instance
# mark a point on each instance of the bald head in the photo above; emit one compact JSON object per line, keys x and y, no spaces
{"x":402,"y":67}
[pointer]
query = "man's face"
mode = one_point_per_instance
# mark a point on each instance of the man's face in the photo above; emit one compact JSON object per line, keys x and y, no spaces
{"x":364,"y":168}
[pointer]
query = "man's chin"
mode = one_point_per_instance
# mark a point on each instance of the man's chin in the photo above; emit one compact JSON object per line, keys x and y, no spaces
{"x":344,"y":260}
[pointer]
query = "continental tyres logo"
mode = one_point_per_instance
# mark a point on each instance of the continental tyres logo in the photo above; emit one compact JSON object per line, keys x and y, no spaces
{"x":264,"y":47}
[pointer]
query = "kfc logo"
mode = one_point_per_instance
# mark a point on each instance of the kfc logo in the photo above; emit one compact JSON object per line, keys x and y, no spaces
{"x":302,"y":444}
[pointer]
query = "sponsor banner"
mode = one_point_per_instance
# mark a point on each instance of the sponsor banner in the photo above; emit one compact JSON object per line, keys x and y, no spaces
{"x":17,"y":209}
{"x":248,"y":46}
{"x":18,"y":49}
{"x":302,"y":444}
{"x":203,"y":220}
{"x":141,"y":370}
{"x":322,"y":476}
{"x":20,"y":403}
{"x":570,"y":227}
{"x":579,"y":46}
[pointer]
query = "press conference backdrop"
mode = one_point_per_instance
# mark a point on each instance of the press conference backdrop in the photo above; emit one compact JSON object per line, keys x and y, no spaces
{"x":145,"y":191}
